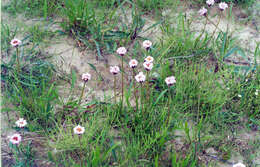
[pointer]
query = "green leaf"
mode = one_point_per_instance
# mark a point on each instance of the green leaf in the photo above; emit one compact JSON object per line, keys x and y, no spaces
{"x":154,"y":25}
{"x":223,"y":45}
{"x":234,"y":50}
{"x":98,"y":48}
{"x":160,"y":96}
{"x":95,"y":69}
{"x":73,"y":78}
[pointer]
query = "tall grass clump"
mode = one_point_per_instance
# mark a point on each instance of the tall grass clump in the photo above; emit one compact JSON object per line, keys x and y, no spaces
{"x":102,"y":30}
{"x":43,"y":8}
{"x":181,"y":42}
{"x":30,"y":86}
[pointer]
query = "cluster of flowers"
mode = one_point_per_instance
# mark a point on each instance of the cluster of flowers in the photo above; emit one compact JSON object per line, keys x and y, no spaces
{"x":16,"y":138}
{"x":140,"y":77}
{"x":222,"y":6}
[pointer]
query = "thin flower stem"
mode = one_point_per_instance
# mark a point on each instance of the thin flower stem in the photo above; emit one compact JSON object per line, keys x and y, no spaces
{"x":229,"y":16}
{"x":169,"y":99}
{"x":17,"y":60}
{"x":81,"y":161}
{"x":17,"y":72}
{"x":141,"y":97}
{"x":216,"y":27}
{"x":202,"y":31}
{"x":198,"y":112}
{"x":16,"y":151}
{"x":135,"y":96}
{"x":147,"y":88}
{"x":115,"y":88}
{"x":122,"y":78}
{"x":204,"y":28}
{"x":82,"y":92}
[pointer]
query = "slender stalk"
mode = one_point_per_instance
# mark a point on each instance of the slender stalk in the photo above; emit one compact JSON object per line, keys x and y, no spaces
{"x":81,"y":163}
{"x":82,"y":92}
{"x":141,"y":96}
{"x":198,"y":112}
{"x":147,"y":87}
{"x":204,"y":28}
{"x":216,"y":27}
{"x":135,"y":96}
{"x":17,"y":60}
{"x":169,"y":99}
{"x":115,"y":88}
{"x":122,"y":78}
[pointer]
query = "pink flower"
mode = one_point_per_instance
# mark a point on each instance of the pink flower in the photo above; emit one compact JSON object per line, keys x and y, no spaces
{"x":148,"y":66}
{"x":121,"y":51}
{"x":114,"y":69}
{"x":15,"y":138}
{"x":21,"y":122}
{"x":149,"y":59}
{"x":239,"y":165}
{"x":203,"y":11}
{"x":133,"y":63}
{"x":79,"y":130}
{"x":15,"y":42}
{"x":210,"y":2}
{"x":222,"y":6}
{"x":147,"y":44}
{"x":86,"y":77}
{"x":170,"y":80}
{"x":140,"y":77}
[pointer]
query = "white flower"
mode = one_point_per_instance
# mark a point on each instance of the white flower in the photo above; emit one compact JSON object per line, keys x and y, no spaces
{"x":15,"y":138}
{"x":121,"y":51}
{"x":256,"y":90}
{"x":15,"y":42}
{"x":256,"y":93}
{"x":133,"y":63}
{"x":79,"y":130}
{"x":222,"y":6}
{"x":140,"y":77}
{"x":203,"y":11}
{"x":21,"y":122}
{"x":239,"y":96}
{"x":149,"y":59}
{"x":148,"y":66}
{"x":210,"y":2}
{"x":239,"y":165}
{"x":228,"y":88}
{"x":170,"y":80}
{"x":86,"y":77}
{"x":114,"y":69}
{"x":147,"y":44}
